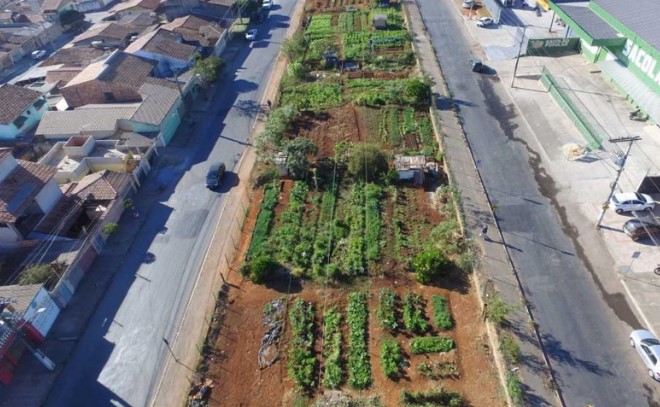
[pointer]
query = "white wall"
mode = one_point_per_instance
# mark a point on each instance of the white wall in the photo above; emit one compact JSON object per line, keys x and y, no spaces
{"x":33,"y":116}
{"x":49,"y":195}
{"x":45,"y":319}
{"x":7,"y":165}
{"x":8,"y":236}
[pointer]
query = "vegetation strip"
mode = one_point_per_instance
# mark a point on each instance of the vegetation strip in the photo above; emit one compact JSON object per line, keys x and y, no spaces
{"x":287,"y":235}
{"x":302,"y":361}
{"x":391,"y":358}
{"x":413,"y":313}
{"x":264,"y":219}
{"x":441,"y":315}
{"x":359,"y":367}
{"x":431,"y":344}
{"x":333,"y":374}
{"x":386,"y":310}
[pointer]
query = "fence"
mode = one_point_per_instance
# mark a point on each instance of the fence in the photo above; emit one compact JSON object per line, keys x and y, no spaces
{"x":584,"y":126}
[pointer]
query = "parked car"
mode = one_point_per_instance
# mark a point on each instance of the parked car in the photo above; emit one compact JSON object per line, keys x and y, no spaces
{"x":638,"y":229}
{"x":214,"y":176}
{"x":477,"y":66}
{"x":485,"y":22}
{"x":251,"y":35}
{"x":631,"y":201}
{"x":468,"y":3}
{"x":648,"y":347}
{"x":267,"y":4}
{"x":38,"y":54}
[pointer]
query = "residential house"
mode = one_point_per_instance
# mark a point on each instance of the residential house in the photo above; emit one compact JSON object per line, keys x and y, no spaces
{"x":53,"y":9}
{"x":86,"y":6}
{"x":107,"y":35}
{"x":114,"y":79}
{"x":9,"y":17}
{"x":217,"y":8}
{"x":74,"y":56}
{"x":28,"y":191}
{"x":134,"y":6}
{"x":167,"y":49}
{"x":142,"y":20}
{"x":22,"y":40}
{"x":27,"y":313}
{"x":98,"y":121}
{"x":20,"y":110}
{"x":51,"y":92}
{"x":200,"y":32}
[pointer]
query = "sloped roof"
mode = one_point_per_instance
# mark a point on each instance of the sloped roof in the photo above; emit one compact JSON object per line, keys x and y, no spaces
{"x":53,"y":5}
{"x":14,"y":101}
{"x":111,"y":29}
{"x":144,"y":19}
{"x":194,"y":28}
{"x":119,"y":67}
{"x":146,"y":4}
{"x":157,"y":101}
{"x":64,"y":214}
{"x":62,"y":75}
{"x":74,"y":56}
{"x":162,"y":42}
{"x":18,"y":189}
{"x":638,"y":16}
{"x":102,"y":186}
{"x":82,"y":120}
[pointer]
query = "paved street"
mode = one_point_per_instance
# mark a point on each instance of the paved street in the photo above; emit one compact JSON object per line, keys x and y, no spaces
{"x":583,"y":328}
{"x":120,"y":357}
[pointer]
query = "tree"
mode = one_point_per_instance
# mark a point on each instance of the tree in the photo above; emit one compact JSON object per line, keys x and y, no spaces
{"x":297,"y":151}
{"x":45,"y":274}
{"x":294,"y":47}
{"x":72,"y":19}
{"x":261,"y":268}
{"x":429,"y":264}
{"x":368,"y":162}
{"x":278,"y":123}
{"x":208,"y":68}
{"x":110,"y":228}
{"x":418,"y":92}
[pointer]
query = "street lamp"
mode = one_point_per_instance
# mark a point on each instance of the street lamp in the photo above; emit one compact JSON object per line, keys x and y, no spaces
{"x":18,"y":331}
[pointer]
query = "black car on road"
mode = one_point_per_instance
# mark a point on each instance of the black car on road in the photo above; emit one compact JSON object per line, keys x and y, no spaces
{"x":214,"y":176}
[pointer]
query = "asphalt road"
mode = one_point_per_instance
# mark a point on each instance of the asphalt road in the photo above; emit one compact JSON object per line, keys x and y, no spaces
{"x":584,"y":333}
{"x":121,"y":355}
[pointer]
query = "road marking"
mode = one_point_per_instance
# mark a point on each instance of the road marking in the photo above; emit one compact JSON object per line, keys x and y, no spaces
{"x":639,"y":310}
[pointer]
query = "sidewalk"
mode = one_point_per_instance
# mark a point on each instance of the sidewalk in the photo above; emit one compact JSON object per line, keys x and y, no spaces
{"x":495,"y":267}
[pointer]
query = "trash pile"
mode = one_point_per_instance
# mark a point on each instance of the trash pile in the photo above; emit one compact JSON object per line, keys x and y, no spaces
{"x":199,"y":393}
{"x":273,"y":322}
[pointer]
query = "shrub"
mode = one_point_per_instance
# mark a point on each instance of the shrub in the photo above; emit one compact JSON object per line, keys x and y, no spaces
{"x":497,"y":310}
{"x":438,"y":370}
{"x":429,"y":264}
{"x":368,"y":162}
{"x":438,"y":398}
{"x":391,"y":358}
{"x":441,"y":314}
{"x":514,"y":387}
{"x":294,"y":46}
{"x":431,"y":344}
{"x":333,"y":375}
{"x":261,"y":268}
{"x":110,"y":228}
{"x":510,"y":348}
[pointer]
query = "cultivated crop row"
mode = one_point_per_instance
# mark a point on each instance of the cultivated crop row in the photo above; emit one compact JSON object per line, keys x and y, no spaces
{"x":302,"y":361}
{"x":333,"y":374}
{"x":264,"y":219}
{"x":359,"y":368}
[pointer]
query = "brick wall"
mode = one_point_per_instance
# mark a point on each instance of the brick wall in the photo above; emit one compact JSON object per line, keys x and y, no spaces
{"x":95,"y":92}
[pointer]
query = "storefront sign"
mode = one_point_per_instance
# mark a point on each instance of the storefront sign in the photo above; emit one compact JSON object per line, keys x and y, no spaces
{"x":642,"y":60}
{"x":546,"y":46}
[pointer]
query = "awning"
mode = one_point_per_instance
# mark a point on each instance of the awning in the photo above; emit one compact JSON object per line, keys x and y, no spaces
{"x":641,"y":94}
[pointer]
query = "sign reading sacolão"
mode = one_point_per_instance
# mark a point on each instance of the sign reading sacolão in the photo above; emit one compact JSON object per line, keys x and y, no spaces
{"x":642,"y":60}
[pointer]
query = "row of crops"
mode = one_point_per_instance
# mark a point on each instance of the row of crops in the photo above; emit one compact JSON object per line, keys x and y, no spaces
{"x":347,"y":360}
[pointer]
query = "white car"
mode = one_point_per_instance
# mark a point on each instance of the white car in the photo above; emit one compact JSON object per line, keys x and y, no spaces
{"x":38,"y":54}
{"x":267,"y":4}
{"x":468,"y":3}
{"x":631,"y":201}
{"x":251,"y":35}
{"x":648,"y":347}
{"x":485,"y":22}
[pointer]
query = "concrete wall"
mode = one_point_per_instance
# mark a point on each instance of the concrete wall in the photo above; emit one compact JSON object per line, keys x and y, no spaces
{"x":8,"y":236}
{"x":49,"y":195}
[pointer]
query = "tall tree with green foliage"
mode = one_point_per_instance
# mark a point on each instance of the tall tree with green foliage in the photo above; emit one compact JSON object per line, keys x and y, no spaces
{"x":368,"y":162}
{"x":297,"y":151}
{"x":208,"y":68}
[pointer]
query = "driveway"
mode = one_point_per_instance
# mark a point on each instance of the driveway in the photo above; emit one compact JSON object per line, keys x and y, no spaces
{"x":120,"y":357}
{"x":584,"y":330}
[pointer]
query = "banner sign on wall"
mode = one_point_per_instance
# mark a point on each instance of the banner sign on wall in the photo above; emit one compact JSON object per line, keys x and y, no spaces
{"x":546,"y":46}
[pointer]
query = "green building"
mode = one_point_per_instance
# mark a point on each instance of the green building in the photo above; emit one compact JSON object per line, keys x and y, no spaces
{"x":623,"y":38}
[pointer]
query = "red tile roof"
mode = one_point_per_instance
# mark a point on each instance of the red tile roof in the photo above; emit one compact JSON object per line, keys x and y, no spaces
{"x":15,"y":100}
{"x":102,"y":186}
{"x":18,"y":189}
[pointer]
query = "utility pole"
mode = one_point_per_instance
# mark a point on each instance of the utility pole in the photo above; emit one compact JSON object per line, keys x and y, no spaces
{"x":515,"y":68}
{"x":613,"y":185}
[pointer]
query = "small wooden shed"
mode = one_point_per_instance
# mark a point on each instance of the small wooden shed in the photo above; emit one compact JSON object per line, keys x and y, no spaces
{"x":380,"y":21}
{"x":410,"y":168}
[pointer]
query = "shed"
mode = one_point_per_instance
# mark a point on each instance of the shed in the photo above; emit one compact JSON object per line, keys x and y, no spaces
{"x":280,"y":164}
{"x":410,"y":168}
{"x":380,"y":21}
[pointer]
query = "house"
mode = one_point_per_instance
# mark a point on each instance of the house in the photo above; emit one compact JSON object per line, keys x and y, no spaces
{"x":217,"y":8}
{"x":28,"y":192}
{"x":85,"y":6}
{"x":410,"y":168}
{"x":53,"y":9}
{"x":74,"y":56}
{"x":98,"y":121}
{"x":167,"y":49}
{"x":21,"y":40}
{"x":20,"y":110}
{"x":197,"y":31}
{"x":107,"y":35}
{"x":51,"y":92}
{"x":27,"y":313}
{"x":142,"y":20}
{"x":114,"y":79}
{"x":134,"y":6}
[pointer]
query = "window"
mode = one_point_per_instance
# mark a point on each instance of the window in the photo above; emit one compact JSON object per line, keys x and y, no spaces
{"x":109,"y":96}
{"x":20,"y":121}
{"x":39,"y":103}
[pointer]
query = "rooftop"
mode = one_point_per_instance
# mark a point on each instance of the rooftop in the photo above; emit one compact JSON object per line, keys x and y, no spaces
{"x":111,"y":29}
{"x":18,"y":189}
{"x":15,"y":100}
{"x":83,"y":121}
{"x":102,"y":186}
{"x":145,"y":4}
{"x":157,"y":101}
{"x":163,"y":42}
{"x":53,"y":5}
{"x":639,"y":17}
{"x":595,"y":26}
{"x":194,"y":28}
{"x":119,"y":67}
{"x":19,"y":297}
{"x":57,"y":156}
{"x":144,"y":19}
{"x":405,"y":162}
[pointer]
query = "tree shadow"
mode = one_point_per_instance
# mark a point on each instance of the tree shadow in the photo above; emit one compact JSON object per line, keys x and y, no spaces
{"x":532,"y":399}
{"x":556,"y":352}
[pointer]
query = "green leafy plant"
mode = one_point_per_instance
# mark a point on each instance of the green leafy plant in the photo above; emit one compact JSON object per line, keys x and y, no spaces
{"x":264,"y":219}
{"x":297,"y":151}
{"x":368,"y":162}
{"x":262,"y":268}
{"x":510,"y":348}
{"x":391,"y":358}
{"x":386,"y":310}
{"x":496,"y":309}
{"x":438,"y":370}
{"x":514,"y":387}
{"x":302,"y":362}
{"x":359,"y":367}
{"x":436,"y":398}
{"x":413,"y":313}
{"x":110,"y":228}
{"x":441,"y":314}
{"x":333,"y":375}
{"x":429,"y":264}
{"x":431,"y":344}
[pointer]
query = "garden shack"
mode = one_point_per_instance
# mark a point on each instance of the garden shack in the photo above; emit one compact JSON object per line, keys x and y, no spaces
{"x":280,"y":164}
{"x":380,"y":22}
{"x":410,"y":168}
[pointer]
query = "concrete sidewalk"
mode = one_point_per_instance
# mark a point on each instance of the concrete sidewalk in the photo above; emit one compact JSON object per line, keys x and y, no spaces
{"x":495,"y":270}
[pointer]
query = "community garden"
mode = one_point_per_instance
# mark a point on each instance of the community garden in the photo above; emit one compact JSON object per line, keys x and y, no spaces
{"x":353,"y":284}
